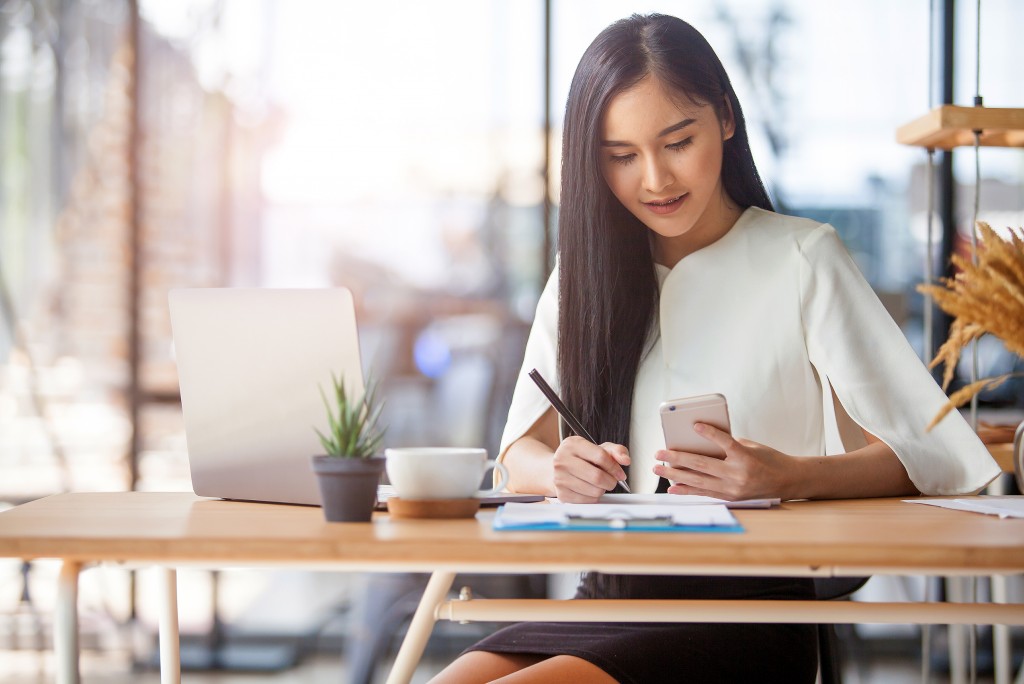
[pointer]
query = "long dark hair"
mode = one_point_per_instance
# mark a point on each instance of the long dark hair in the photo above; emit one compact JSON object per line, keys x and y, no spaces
{"x":608,"y":290}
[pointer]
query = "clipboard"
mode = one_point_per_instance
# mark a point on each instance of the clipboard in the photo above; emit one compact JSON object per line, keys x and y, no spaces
{"x":615,"y":518}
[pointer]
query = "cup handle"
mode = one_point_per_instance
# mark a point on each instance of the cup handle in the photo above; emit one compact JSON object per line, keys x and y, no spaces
{"x":502,"y":479}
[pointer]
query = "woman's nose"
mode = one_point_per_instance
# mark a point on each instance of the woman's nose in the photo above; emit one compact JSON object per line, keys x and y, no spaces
{"x":657,"y":176}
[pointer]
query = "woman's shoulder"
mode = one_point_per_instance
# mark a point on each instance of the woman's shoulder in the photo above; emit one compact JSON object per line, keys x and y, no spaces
{"x":798,"y":227}
{"x":782,"y":234}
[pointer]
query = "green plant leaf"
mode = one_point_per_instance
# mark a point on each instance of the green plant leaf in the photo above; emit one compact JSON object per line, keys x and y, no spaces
{"x":328,"y":446}
{"x":353,"y":429}
{"x":332,"y":424}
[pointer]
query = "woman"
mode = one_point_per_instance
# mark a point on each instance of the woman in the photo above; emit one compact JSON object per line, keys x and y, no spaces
{"x":675,"y":278}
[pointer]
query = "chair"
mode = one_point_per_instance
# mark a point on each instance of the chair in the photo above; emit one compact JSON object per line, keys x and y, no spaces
{"x":833,"y":589}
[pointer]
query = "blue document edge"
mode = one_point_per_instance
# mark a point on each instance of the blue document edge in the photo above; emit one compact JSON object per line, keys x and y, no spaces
{"x":611,"y":526}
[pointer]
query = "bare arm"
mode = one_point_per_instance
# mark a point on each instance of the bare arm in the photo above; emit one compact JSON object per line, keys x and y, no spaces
{"x":873,"y":470}
{"x":528,"y":459}
{"x":574,"y":469}
{"x":752,"y":470}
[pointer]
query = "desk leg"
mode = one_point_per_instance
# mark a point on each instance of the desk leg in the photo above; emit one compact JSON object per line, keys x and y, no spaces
{"x":419,"y":629}
{"x":170,"y":656}
{"x":956,"y":592}
{"x":1001,"y":636}
{"x":65,"y":627}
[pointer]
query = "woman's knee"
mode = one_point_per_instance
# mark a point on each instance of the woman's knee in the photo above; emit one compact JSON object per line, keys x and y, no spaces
{"x":483,"y":666}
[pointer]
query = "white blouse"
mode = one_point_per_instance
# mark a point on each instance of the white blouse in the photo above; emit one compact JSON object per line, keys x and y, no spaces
{"x":772,"y":315}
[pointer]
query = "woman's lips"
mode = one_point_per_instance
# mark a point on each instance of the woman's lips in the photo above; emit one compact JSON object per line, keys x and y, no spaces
{"x":665,"y":206}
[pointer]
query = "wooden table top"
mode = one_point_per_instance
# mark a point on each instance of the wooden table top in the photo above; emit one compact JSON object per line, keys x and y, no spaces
{"x":848,"y":537}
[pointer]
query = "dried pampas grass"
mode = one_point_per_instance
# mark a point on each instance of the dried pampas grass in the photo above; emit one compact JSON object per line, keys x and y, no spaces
{"x":984,"y":298}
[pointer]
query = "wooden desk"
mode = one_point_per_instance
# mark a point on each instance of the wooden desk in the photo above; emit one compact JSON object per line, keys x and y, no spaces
{"x":821,"y":538}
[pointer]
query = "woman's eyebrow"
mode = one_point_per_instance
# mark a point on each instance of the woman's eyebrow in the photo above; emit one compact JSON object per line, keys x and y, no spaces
{"x":661,"y":134}
{"x":675,"y":127}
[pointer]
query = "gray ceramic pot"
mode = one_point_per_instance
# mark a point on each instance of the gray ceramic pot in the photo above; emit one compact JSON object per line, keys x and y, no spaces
{"x":348,"y":486}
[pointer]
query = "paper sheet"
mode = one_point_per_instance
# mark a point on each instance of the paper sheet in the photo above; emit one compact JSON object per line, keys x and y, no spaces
{"x":666,"y":499}
{"x":1003,"y":506}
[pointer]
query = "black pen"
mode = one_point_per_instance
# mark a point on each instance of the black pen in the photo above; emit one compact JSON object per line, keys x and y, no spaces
{"x":566,"y":414}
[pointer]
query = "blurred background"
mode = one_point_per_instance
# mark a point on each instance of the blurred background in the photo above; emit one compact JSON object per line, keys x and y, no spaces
{"x":409,"y":151}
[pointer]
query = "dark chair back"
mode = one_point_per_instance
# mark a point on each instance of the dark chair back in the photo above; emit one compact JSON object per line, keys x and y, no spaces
{"x":835,"y":588}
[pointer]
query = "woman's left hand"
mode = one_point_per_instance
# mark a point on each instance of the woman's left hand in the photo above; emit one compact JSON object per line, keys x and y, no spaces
{"x":749,"y":470}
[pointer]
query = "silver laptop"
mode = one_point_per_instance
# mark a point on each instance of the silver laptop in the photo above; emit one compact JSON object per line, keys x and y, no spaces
{"x":249,"y":365}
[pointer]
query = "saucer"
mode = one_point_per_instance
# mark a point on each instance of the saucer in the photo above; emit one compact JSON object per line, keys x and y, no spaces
{"x":432,"y":508}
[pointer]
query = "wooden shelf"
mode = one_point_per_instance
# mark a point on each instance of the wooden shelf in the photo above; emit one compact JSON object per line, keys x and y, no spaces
{"x":949,"y":126}
{"x":1003,"y":455}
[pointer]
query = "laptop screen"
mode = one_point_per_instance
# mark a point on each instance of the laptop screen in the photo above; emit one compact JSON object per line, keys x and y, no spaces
{"x":249,"y":365}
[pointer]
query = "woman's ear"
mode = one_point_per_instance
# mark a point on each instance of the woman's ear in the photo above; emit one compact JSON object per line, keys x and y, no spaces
{"x":728,"y":122}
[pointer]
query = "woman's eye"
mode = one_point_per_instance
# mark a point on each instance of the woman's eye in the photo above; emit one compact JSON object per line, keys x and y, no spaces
{"x":681,"y":144}
{"x":622,"y":158}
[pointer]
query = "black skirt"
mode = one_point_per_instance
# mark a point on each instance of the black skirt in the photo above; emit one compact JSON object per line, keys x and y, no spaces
{"x":649,"y":653}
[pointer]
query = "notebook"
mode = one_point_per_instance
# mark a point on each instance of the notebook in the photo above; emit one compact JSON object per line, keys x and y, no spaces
{"x":249,"y":363}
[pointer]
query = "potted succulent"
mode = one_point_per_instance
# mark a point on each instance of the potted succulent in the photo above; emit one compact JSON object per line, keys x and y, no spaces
{"x":351,"y":467}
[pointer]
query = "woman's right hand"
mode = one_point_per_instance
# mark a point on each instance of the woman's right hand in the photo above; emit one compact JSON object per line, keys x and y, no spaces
{"x":583,"y":471}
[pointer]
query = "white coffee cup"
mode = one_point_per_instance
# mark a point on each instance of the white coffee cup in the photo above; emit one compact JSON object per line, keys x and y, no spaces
{"x":441,"y":472}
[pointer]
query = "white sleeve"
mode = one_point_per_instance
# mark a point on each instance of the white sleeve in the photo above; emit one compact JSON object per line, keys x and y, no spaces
{"x":879,"y":379}
{"x":528,"y":403}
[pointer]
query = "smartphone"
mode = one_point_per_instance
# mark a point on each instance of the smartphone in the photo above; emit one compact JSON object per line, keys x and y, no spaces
{"x":679,"y":415}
